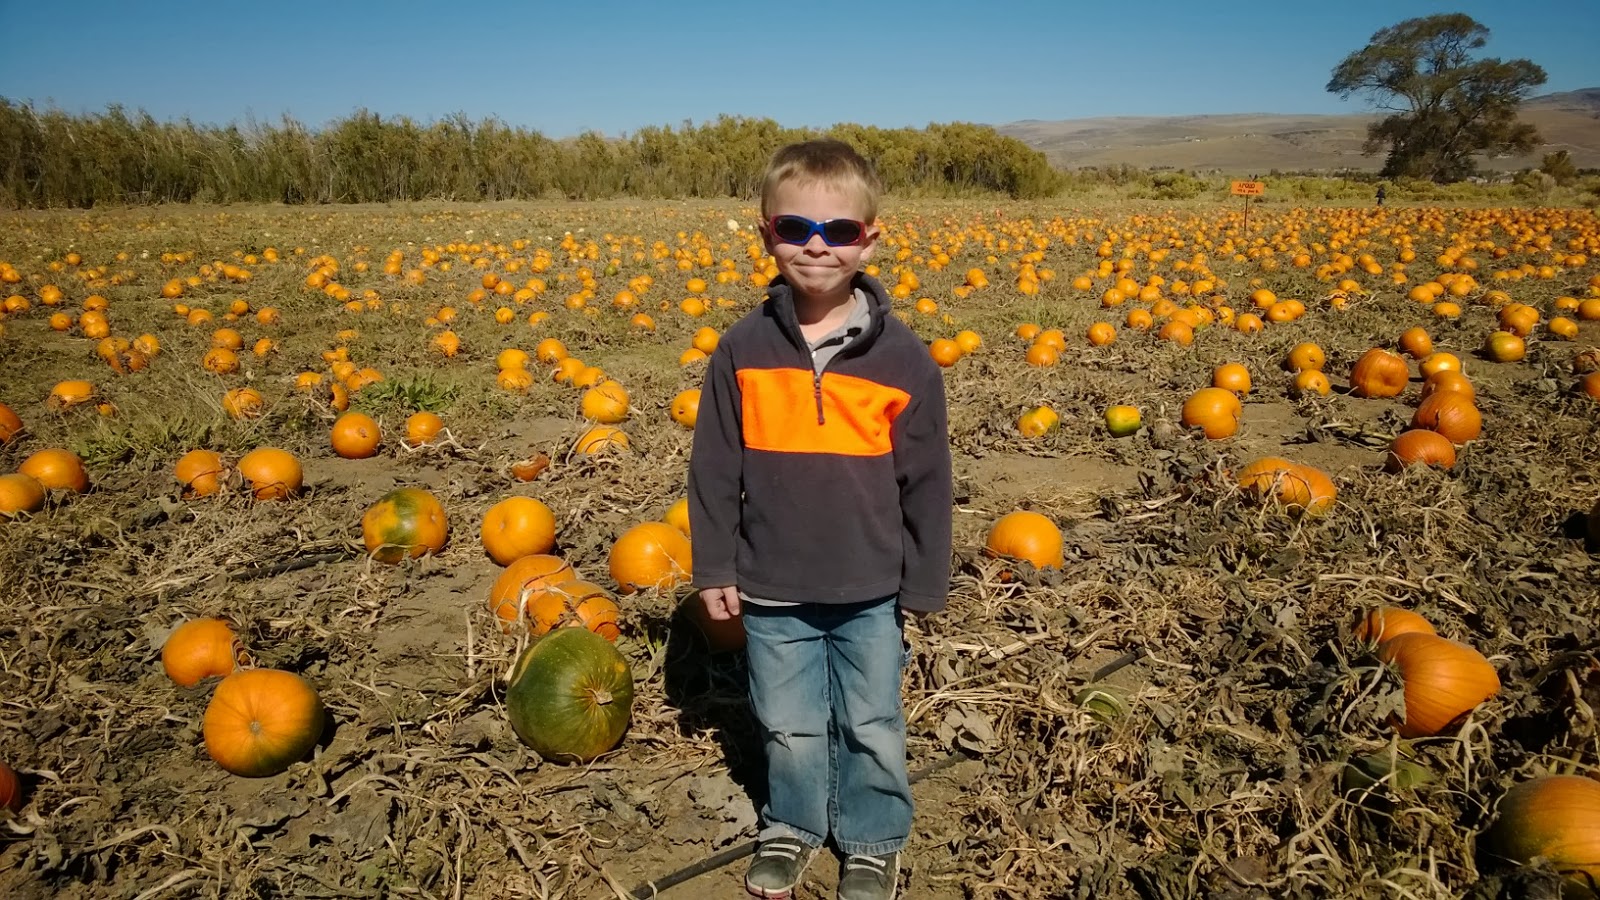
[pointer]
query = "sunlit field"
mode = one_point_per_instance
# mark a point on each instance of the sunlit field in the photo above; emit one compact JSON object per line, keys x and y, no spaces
{"x":1174,"y":678}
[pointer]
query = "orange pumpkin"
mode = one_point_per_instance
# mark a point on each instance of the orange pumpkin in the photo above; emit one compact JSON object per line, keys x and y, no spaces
{"x":20,"y":493}
{"x":1298,"y":488}
{"x":573,"y":603}
{"x":1447,"y":380}
{"x":200,"y":649}
{"x":1439,"y":361}
{"x":1452,"y":414}
{"x":1102,"y":333}
{"x":600,"y":439}
{"x":1385,"y":622}
{"x":200,"y":472}
{"x":677,"y":515}
{"x":1041,"y":355}
{"x":1379,"y":373}
{"x":273,"y":474}
{"x":1420,"y":447}
{"x":355,"y":436}
{"x":57,"y":470}
{"x":1590,"y":385}
{"x":508,"y":596}
{"x":1556,"y":818}
{"x":606,"y":403}
{"x":1177,"y":332}
{"x":422,"y":427}
{"x":685,"y":408}
{"x":1305,"y":356}
{"x":261,"y":721}
{"x":945,"y":352}
{"x":531,"y":468}
{"x":1232,"y":377}
{"x":243,"y":403}
{"x":1028,"y":536}
{"x":10,"y":425}
{"x":1213,"y":410}
{"x":70,"y":393}
{"x":406,"y":522}
{"x":1038,"y":422}
{"x":517,"y":527}
{"x":1311,"y":381}
{"x":1416,"y":343}
{"x":1443,"y":681}
{"x":550,"y":351}
{"x":650,"y":554}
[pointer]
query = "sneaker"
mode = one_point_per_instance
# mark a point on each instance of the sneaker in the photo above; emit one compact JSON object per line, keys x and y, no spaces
{"x":870,"y":877}
{"x":777,"y":867}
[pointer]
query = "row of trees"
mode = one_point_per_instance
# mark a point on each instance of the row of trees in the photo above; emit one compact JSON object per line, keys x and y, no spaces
{"x":53,"y":158}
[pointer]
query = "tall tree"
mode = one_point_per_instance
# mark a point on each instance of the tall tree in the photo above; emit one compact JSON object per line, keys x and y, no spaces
{"x":1447,"y":106}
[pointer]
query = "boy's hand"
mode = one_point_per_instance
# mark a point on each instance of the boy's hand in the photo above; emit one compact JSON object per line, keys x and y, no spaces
{"x":722,"y":603}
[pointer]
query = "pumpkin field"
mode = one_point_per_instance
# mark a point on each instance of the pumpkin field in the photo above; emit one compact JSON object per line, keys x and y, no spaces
{"x":1275,"y":568}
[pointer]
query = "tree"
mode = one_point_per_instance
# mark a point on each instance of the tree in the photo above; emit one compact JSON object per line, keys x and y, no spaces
{"x":1558,"y":165}
{"x":1446,"y":105}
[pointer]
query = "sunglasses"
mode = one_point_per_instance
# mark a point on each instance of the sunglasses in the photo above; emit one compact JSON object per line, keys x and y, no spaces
{"x":799,"y":229}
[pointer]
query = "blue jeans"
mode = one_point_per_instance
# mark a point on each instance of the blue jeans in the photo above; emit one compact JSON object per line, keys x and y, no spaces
{"x":825,"y":685}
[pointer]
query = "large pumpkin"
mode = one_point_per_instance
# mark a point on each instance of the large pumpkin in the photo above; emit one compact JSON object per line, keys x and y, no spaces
{"x":200,"y":472}
{"x":1028,"y":536}
{"x":650,"y":554}
{"x":1420,"y":446}
{"x":1556,"y":817}
{"x":1386,"y":622}
{"x":405,"y":522}
{"x":570,"y":696}
{"x":1452,"y":414}
{"x":200,"y":649}
{"x":57,"y":470}
{"x":1379,"y":373}
{"x":260,"y":721}
{"x":20,"y":493}
{"x":606,"y":403}
{"x":1443,"y":681}
{"x":273,"y":474}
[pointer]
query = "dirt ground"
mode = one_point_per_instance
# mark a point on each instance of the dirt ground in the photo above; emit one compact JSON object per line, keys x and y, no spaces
{"x":1216,"y":774}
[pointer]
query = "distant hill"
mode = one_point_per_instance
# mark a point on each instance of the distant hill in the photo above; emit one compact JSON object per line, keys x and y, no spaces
{"x":1256,"y":143}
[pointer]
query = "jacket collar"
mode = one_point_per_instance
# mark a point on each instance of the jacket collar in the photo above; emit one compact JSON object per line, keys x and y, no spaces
{"x":780,"y":303}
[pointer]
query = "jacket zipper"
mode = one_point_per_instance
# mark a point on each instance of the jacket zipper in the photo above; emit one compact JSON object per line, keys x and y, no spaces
{"x":816,"y":390}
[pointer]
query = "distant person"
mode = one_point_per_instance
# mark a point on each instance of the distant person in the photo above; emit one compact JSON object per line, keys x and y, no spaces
{"x":1381,"y":194}
{"x":820,"y":511}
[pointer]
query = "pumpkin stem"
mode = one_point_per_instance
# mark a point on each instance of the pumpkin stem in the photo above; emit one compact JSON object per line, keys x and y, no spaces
{"x":601,"y":696}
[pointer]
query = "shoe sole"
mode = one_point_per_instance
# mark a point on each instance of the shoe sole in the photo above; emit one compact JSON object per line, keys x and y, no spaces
{"x":782,"y":893}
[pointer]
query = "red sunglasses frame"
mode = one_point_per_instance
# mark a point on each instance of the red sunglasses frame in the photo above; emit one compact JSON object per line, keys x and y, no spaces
{"x":816,"y":228}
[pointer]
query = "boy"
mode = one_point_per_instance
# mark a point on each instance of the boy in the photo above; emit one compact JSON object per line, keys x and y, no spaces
{"x":819,"y":504}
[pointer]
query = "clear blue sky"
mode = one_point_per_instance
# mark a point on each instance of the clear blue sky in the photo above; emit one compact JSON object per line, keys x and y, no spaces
{"x":611,"y":66}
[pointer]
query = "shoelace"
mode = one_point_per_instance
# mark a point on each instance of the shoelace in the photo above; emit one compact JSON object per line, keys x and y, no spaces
{"x":780,"y":847}
{"x":878,"y":866}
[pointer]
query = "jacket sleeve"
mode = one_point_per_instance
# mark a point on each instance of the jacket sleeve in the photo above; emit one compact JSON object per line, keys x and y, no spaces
{"x":922,"y":467}
{"x":716,"y":476}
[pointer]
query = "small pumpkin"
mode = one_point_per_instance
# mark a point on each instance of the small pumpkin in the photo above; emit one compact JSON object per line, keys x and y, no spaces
{"x":1448,"y":380}
{"x":685,"y":408}
{"x":1556,"y":817}
{"x":1305,"y":356}
{"x":1214,"y":411}
{"x":531,"y":468}
{"x":508,"y":596}
{"x":10,"y":789}
{"x":606,"y":403}
{"x":1415,"y":343}
{"x":570,"y":696}
{"x":273,"y":474}
{"x":261,"y":721}
{"x":1444,"y":680}
{"x":1232,"y":377}
{"x":650,"y":554}
{"x":243,"y":403}
{"x":1452,"y":414}
{"x":1298,"y":488}
{"x":1385,"y":622}
{"x":422,"y":427}
{"x":10,"y":424}
{"x":1122,"y":420}
{"x":601,"y":439}
{"x":1028,"y":536}
{"x":70,"y":393}
{"x":57,"y":470}
{"x":20,"y":493}
{"x":1420,"y":447}
{"x":404,"y":522}
{"x":1379,"y":373}
{"x":200,"y":649}
{"x":945,"y":352}
{"x":355,"y":436}
{"x":1311,"y":381}
{"x":677,"y":515}
{"x":517,"y":527}
{"x":574,"y":603}
{"x":1504,"y":346}
{"x":1038,"y":422}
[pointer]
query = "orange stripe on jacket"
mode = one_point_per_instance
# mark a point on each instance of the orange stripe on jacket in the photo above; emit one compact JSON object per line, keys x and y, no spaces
{"x":780,"y":413}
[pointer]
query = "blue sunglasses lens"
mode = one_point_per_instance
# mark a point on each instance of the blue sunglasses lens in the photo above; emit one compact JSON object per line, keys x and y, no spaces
{"x":799,"y":229}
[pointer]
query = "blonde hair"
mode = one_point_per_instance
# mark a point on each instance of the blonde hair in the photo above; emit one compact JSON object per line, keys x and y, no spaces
{"x":828,"y":162}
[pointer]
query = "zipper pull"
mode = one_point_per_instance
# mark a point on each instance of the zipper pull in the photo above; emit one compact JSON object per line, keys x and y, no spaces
{"x":816,"y":389}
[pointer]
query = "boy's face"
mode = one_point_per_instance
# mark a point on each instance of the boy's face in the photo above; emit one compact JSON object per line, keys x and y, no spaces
{"x":814,"y":269}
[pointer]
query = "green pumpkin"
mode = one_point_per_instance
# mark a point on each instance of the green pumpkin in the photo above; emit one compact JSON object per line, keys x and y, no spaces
{"x":571,"y":696}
